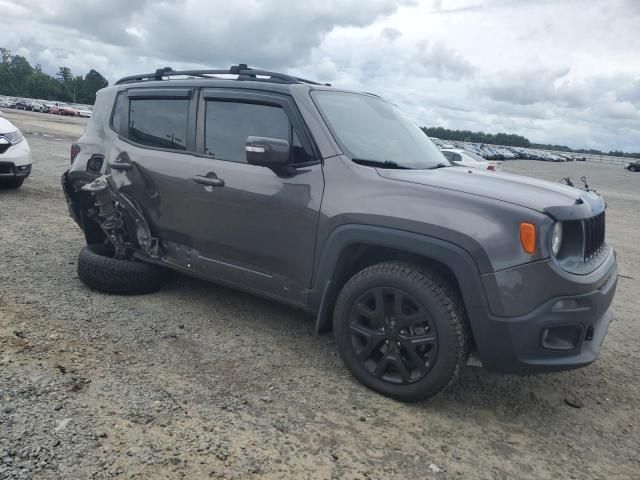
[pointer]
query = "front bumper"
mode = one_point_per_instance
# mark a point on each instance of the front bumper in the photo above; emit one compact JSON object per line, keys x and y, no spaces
{"x":16,"y":161}
{"x":11,"y":170}
{"x":562,"y":333}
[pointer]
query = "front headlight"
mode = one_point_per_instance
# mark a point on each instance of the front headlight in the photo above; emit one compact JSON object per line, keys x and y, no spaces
{"x":556,"y":239}
{"x":14,"y":137}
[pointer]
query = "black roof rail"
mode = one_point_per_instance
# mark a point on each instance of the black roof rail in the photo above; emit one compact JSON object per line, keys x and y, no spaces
{"x":242,"y":71}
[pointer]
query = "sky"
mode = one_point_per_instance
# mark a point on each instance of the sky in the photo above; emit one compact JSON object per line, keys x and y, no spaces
{"x":556,"y":71}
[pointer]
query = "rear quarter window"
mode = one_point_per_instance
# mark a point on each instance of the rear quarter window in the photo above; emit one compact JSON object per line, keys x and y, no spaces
{"x":118,"y":120}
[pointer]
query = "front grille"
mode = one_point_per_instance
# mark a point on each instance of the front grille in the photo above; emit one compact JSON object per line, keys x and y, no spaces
{"x":6,"y":168}
{"x":593,"y":235}
{"x":4,"y":147}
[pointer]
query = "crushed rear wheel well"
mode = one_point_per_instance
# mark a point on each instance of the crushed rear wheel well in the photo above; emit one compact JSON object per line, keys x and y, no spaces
{"x":82,"y":203}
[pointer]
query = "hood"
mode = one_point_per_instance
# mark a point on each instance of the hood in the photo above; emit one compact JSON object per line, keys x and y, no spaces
{"x":527,"y":192}
{"x":6,"y":126}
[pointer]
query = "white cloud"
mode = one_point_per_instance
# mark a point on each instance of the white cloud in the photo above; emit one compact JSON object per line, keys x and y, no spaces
{"x":564,"y":72}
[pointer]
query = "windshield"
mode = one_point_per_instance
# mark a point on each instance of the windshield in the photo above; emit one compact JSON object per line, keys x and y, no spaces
{"x":372,"y":130}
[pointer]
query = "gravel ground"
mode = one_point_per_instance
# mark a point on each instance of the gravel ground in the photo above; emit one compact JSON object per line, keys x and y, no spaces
{"x":199,"y":381}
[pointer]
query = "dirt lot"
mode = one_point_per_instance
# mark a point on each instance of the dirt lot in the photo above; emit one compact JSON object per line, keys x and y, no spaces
{"x":198,"y":381}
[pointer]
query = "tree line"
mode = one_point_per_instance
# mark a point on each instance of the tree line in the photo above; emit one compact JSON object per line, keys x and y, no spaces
{"x":512,"y":140}
{"x":18,"y":78}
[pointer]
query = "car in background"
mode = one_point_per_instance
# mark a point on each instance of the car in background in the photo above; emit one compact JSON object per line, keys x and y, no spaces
{"x":464,"y":158}
{"x":54,"y":108}
{"x":22,"y":104}
{"x":15,"y":156}
{"x":633,"y":167}
{"x":506,"y":154}
{"x":37,"y":107}
{"x":48,"y":106}
{"x":68,"y":110}
{"x":84,"y":112}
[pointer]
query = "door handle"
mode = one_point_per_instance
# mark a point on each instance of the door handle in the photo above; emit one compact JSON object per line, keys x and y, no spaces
{"x":210,"y":182}
{"x":120,"y":165}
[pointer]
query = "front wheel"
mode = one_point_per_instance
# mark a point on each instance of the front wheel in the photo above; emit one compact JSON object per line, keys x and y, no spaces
{"x":400,"y":330}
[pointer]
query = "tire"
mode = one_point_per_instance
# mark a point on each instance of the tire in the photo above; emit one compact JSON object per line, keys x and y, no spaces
{"x":428,"y":351}
{"x":98,"y":270}
{"x":12,"y":183}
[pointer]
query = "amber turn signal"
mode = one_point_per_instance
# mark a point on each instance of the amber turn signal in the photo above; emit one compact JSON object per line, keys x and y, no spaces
{"x":528,"y":237}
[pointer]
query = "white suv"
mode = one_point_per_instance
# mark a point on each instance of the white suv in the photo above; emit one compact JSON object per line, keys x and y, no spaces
{"x":15,"y":156}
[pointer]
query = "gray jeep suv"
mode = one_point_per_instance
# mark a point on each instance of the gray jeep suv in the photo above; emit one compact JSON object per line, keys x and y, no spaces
{"x":336,"y":203}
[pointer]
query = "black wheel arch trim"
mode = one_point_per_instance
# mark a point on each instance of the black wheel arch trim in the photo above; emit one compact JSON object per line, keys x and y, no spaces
{"x":461,"y":263}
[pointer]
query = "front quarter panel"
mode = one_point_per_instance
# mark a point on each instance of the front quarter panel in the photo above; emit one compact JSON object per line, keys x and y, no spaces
{"x":486,"y":228}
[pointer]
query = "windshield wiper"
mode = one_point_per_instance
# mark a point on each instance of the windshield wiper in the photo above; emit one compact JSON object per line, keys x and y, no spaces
{"x":380,"y":163}
{"x":440,"y":165}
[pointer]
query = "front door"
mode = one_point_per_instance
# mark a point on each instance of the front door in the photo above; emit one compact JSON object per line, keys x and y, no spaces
{"x":255,"y":226}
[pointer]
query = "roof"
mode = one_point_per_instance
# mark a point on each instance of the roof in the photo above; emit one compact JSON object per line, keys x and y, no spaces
{"x":241,"y":71}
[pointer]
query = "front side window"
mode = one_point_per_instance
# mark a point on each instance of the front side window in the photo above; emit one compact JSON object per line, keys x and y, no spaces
{"x":159,"y":123}
{"x":370,"y":129}
{"x":228,"y":124}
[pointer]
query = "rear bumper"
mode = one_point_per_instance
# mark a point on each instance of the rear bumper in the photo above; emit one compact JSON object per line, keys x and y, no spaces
{"x":562,"y":333}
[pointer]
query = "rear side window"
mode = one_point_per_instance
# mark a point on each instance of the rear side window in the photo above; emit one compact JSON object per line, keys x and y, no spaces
{"x":160,"y":123}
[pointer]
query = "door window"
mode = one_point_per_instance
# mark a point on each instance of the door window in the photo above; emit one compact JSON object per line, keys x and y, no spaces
{"x":160,"y":123}
{"x":228,"y":124}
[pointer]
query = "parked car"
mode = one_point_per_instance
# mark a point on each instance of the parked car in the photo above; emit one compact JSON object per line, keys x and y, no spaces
{"x":48,"y":106}
{"x":334,"y":202}
{"x":37,"y":107}
{"x":55,"y":108}
{"x":463,"y":158}
{"x":84,"y":112}
{"x":22,"y":104}
{"x":633,"y":166}
{"x":15,"y":156}
{"x":68,"y":110}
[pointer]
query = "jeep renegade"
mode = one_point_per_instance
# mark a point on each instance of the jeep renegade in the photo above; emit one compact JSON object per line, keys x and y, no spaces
{"x":337,"y":203}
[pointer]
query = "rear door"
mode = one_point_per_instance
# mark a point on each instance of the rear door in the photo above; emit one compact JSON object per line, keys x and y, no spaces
{"x":154,"y":157}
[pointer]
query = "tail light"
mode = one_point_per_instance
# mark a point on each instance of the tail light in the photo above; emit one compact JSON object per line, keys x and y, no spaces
{"x":75,"y":150}
{"x":492,"y":168}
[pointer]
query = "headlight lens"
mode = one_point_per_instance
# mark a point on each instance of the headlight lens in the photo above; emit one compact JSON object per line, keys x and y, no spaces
{"x":14,"y":137}
{"x":556,"y":239}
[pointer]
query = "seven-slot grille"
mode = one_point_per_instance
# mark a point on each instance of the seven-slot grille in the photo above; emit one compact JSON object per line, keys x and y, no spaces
{"x":593,"y":235}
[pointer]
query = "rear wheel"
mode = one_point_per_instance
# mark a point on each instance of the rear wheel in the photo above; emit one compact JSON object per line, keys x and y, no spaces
{"x":11,"y":183}
{"x":99,"y":270}
{"x":400,"y":330}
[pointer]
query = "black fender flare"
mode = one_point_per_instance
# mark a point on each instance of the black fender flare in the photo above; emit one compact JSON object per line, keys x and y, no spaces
{"x":457,"y":259}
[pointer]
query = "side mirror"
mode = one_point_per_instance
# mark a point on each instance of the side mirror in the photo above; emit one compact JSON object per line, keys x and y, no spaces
{"x":267,"y":152}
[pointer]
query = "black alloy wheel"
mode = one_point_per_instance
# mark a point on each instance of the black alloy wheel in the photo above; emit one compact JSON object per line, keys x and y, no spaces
{"x":401,"y":330}
{"x":393,"y":335}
